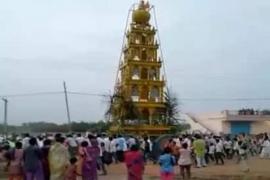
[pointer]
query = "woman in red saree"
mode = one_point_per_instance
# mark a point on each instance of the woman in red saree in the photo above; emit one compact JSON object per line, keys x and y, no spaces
{"x":135,"y":163}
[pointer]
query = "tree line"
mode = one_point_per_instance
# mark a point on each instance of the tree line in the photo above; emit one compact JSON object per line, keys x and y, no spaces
{"x":43,"y":127}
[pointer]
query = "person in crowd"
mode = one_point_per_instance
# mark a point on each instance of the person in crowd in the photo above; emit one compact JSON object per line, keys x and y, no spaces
{"x":134,"y":162}
{"x":106,"y":155}
{"x":219,"y":152}
{"x":71,"y":170}
{"x":32,"y":156}
{"x":112,"y":148}
{"x":170,"y":144}
{"x":81,"y":155}
{"x":253,"y":147}
{"x":131,"y":141}
{"x":25,"y":140}
{"x":121,"y":147}
{"x":86,"y":160}
{"x":176,"y":139}
{"x":15,"y":162}
{"x":58,"y":158}
{"x":2,"y":154}
{"x":211,"y":151}
{"x":90,"y":155}
{"x":228,"y":147}
{"x":101,"y":145}
{"x":187,"y":139}
{"x":167,"y":162}
{"x":79,"y":138}
{"x":72,"y":145}
{"x":175,"y":151}
{"x":265,"y":153}
{"x":185,"y":161}
{"x":45,"y":161}
{"x":40,"y":140}
{"x":199,"y":150}
{"x":107,"y":142}
{"x":243,"y":156}
{"x":235,"y":152}
{"x":146,"y":149}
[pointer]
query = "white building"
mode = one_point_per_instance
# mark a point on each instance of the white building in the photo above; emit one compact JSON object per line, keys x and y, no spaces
{"x":230,"y":122}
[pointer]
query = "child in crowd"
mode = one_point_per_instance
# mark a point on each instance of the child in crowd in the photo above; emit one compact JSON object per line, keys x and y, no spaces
{"x":71,"y":170}
{"x":167,"y":162}
{"x":185,"y":161}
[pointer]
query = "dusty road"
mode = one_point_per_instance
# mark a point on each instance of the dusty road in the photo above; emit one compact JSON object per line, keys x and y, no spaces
{"x":259,"y":170}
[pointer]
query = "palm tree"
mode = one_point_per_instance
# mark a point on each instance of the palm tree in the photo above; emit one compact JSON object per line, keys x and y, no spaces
{"x":171,"y":108}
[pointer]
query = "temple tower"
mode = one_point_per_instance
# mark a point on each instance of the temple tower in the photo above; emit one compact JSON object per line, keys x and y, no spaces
{"x":140,"y":79}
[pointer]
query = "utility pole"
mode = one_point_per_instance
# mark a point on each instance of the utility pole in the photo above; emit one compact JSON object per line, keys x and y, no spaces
{"x":5,"y":117}
{"x":67,"y":106}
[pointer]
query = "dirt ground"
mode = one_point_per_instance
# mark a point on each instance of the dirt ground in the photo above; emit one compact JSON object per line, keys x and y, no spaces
{"x":259,"y":170}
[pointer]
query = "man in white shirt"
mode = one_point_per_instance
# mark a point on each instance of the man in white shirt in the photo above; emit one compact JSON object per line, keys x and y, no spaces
{"x":1,"y":139}
{"x":211,"y":151}
{"x":219,"y":152}
{"x":25,"y":141}
{"x":40,"y":141}
{"x":131,"y":141}
{"x":72,"y":145}
{"x":188,"y":141}
{"x":101,"y":145}
{"x":79,"y":139}
{"x":112,"y":148}
{"x":228,"y":148}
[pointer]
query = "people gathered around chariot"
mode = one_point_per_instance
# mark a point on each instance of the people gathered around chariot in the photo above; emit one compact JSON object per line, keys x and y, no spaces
{"x":87,"y":156}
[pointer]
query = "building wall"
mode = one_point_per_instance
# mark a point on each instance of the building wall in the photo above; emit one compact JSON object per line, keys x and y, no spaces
{"x":256,"y":127}
{"x":226,"y":127}
{"x":260,"y":127}
{"x":218,"y":123}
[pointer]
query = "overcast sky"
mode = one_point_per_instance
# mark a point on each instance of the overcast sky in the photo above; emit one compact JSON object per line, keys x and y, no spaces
{"x":212,"y":49}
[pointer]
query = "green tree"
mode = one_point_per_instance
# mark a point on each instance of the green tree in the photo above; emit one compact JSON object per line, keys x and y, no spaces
{"x":121,"y":109}
{"x":171,"y":108}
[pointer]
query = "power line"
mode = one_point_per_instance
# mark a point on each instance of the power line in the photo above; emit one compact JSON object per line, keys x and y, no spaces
{"x":224,"y":99}
{"x":107,"y":95}
{"x":32,"y":94}
{"x":87,"y":94}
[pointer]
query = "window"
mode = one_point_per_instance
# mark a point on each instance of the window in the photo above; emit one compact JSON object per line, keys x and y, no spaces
{"x":145,"y":115}
{"x":135,"y":73}
{"x":154,"y":94}
{"x":144,"y":93}
{"x":143,"y":40}
{"x":144,"y":73}
{"x":153,"y":74}
{"x":144,"y":55}
{"x":135,"y":94}
{"x":137,"y":41}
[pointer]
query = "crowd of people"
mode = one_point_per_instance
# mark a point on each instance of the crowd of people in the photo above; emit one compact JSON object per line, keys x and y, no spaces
{"x":70,"y":157}
{"x":75,"y":157}
{"x":202,"y":150}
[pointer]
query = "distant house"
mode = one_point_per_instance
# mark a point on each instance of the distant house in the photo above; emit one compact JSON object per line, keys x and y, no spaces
{"x":230,"y":122}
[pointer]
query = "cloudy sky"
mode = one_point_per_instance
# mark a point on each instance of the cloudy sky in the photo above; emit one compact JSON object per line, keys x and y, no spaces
{"x":212,"y":49}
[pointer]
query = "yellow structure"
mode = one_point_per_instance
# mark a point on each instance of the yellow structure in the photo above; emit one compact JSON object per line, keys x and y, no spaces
{"x":140,"y":80}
